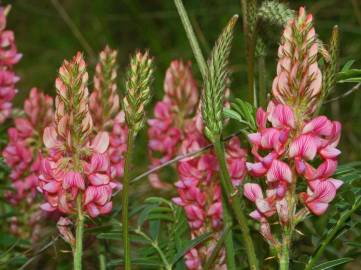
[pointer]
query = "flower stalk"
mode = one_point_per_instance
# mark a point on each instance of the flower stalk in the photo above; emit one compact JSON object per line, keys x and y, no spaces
{"x":78,"y":251}
{"x":138,"y":82}
{"x":212,"y":112}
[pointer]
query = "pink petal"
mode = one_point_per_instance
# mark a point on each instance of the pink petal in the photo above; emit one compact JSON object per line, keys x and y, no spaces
{"x":92,"y":210}
{"x":100,"y":142}
{"x":330,"y":152}
{"x":317,"y":208}
{"x":47,"y":207}
{"x":89,"y":195}
{"x":106,"y":209}
{"x":337,"y":183}
{"x":256,"y":215}
{"x":304,"y":146}
{"x":279,"y":171}
{"x":98,"y":179}
{"x":252,"y":192}
{"x":261,"y":118}
{"x":319,"y":125}
{"x":50,"y":137}
{"x":256,"y":169}
{"x":52,"y":187}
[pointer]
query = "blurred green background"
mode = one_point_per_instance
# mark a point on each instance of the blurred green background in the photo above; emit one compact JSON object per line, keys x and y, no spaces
{"x":45,"y":39}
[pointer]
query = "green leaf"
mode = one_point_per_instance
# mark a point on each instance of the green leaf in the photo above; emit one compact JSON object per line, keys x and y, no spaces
{"x":333,"y":263}
{"x":189,"y":245}
{"x":242,"y":112}
{"x":229,"y":113}
{"x":110,"y":235}
{"x":348,"y":65}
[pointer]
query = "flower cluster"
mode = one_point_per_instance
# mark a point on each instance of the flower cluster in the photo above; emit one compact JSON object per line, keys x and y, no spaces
{"x":22,"y":155}
{"x":298,"y":81}
{"x":25,"y":140}
{"x":77,"y":165}
{"x":289,"y":149}
{"x":104,"y":107}
{"x":199,"y":193}
{"x":171,"y":116}
{"x":9,"y":56}
{"x":178,"y":129}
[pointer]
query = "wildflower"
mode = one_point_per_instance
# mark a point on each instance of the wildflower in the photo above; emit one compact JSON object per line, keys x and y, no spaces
{"x":289,"y":140}
{"x":171,"y":116}
{"x":22,"y":152}
{"x":9,"y":56}
{"x":199,"y":192}
{"x":22,"y":155}
{"x":104,"y":106}
{"x":298,"y":81}
{"x":76,"y":163}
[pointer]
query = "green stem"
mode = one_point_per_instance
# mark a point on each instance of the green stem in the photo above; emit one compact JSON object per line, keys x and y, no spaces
{"x":102,"y":264}
{"x":235,"y":202}
{"x":154,"y":244}
{"x":191,"y":37}
{"x":125,"y":200}
{"x":331,"y":234}
{"x":78,"y":251}
{"x":230,"y":254}
{"x":284,"y":257}
{"x":250,"y":37}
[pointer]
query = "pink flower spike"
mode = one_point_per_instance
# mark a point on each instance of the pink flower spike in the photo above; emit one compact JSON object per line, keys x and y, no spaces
{"x":252,"y":192}
{"x":279,"y":171}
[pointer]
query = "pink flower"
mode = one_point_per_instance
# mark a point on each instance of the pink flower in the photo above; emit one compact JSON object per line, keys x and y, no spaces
{"x":77,"y":161}
{"x":172,"y":115}
{"x":9,"y":56}
{"x":21,"y":153}
{"x":298,"y":81}
{"x":318,"y":200}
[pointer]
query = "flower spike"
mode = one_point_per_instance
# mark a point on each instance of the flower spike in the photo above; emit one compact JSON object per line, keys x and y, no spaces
{"x":215,"y":83}
{"x":138,"y":82}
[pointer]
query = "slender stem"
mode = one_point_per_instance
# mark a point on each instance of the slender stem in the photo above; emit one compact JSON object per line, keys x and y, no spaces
{"x":191,"y":37}
{"x":284,"y":256}
{"x":125,"y":197}
{"x":249,"y":37}
{"x":331,"y":234}
{"x":154,"y":244}
{"x":227,"y":219}
{"x":75,"y":30}
{"x":102,"y":264}
{"x":78,"y":252}
{"x":235,"y":202}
